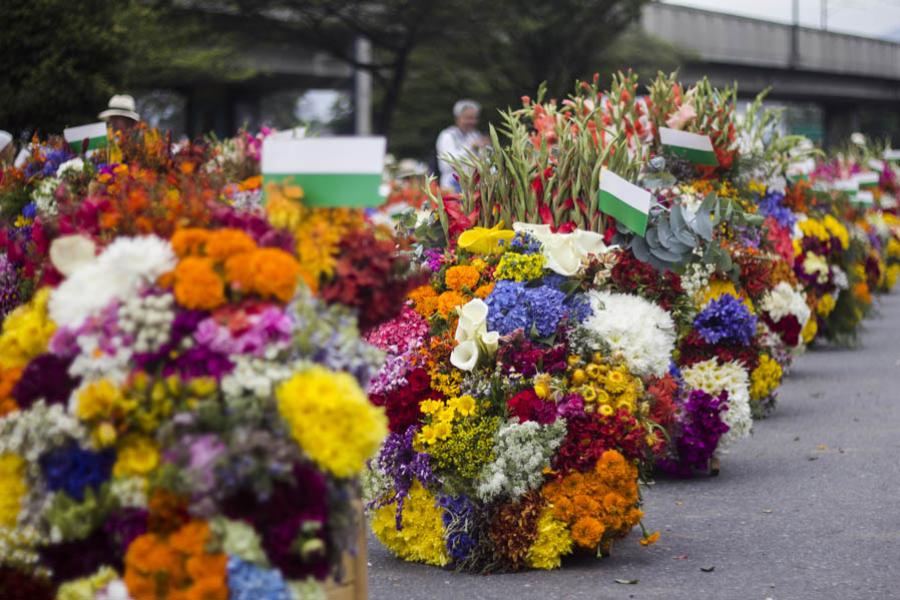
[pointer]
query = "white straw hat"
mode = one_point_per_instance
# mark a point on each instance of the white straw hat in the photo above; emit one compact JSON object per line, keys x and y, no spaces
{"x":120,"y":105}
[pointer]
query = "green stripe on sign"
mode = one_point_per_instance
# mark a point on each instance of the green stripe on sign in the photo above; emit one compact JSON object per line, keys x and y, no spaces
{"x":93,"y":143}
{"x":698,"y":157}
{"x":623,"y":212}
{"x":331,"y":190}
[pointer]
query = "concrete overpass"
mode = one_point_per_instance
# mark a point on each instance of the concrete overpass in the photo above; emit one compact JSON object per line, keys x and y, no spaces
{"x":847,"y":76}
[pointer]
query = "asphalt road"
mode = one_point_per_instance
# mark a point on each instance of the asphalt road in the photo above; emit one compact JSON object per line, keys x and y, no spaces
{"x":808,"y":508}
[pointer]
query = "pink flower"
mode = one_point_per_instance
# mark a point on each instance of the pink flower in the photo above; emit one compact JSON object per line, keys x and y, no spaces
{"x":680,"y":118}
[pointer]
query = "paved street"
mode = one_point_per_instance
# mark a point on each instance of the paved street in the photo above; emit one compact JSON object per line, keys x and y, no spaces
{"x":807,"y":508}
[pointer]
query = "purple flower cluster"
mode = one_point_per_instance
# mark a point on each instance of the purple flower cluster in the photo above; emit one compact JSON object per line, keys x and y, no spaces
{"x":701,"y":428}
{"x":524,"y":243}
{"x":271,"y":326}
{"x":399,"y":461}
{"x":771,"y":205}
{"x":536,"y":310}
{"x":9,"y":286}
{"x":726,"y":319}
{"x":457,"y":514}
{"x":197,"y":361}
{"x":434,"y":258}
{"x":46,"y":377}
{"x":50,"y":165}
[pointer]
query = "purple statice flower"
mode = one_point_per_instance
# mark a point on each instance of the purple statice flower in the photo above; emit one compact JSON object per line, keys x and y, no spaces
{"x":726,"y":319}
{"x":456,"y":515}
{"x":524,"y":243}
{"x":701,"y":428}
{"x":9,"y":286}
{"x":403,"y":465}
{"x":390,"y":376}
{"x":272,"y":326}
{"x":772,"y":205}
{"x":434,"y":258}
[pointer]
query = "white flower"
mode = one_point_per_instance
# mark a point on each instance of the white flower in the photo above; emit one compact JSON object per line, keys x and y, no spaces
{"x":565,"y":252}
{"x":642,"y":331}
{"x":465,"y":356}
{"x":69,"y":252}
{"x":714,"y":378}
{"x":73,"y":166}
{"x":840,"y":278}
{"x":784,"y":300}
{"x":127,"y":265}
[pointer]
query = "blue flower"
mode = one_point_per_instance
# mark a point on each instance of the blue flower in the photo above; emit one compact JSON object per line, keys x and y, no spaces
{"x":247,"y":581}
{"x":456,"y":517}
{"x":524,"y":243}
{"x":29,"y":210}
{"x":71,"y":469}
{"x":536,"y":310}
{"x":771,"y":205}
{"x":726,"y":319}
{"x":547,"y":307}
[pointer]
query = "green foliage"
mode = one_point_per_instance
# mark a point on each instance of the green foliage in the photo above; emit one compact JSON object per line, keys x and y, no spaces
{"x":63,"y":60}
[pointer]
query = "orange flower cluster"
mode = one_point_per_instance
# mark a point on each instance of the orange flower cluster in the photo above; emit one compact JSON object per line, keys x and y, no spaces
{"x":425,"y":300}
{"x":176,"y":567}
{"x":210,"y":260}
{"x":462,"y":278}
{"x":600,"y":505}
{"x":8,"y":380}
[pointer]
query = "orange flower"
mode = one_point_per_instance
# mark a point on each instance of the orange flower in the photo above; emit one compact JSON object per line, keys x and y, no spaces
{"x":208,"y":588}
{"x":485,"y":290}
{"x":461,"y":277}
{"x":191,"y":538}
{"x":8,"y":380}
{"x":861,"y":293}
{"x":251,"y":183}
{"x":197,"y":286}
{"x":239,"y":272}
{"x":207,"y":566}
{"x":225,"y":243}
{"x":587,"y":532}
{"x":275,"y":273}
{"x":650,"y":539}
{"x":189,"y":241}
{"x":424,"y":300}
{"x":449,"y":301}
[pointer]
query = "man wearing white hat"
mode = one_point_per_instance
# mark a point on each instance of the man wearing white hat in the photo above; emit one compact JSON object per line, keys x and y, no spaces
{"x":7,"y":148}
{"x":120,"y":114}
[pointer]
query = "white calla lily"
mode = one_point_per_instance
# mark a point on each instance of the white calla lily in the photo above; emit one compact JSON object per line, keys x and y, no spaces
{"x":465,"y":356}
{"x":472,"y":319}
{"x":565,"y":252}
{"x":490,"y":340}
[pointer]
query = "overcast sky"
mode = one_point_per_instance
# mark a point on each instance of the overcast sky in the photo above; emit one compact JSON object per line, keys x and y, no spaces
{"x":874,"y":18}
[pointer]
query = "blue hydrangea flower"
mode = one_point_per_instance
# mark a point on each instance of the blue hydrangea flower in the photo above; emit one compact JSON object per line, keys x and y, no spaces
{"x":726,"y":319}
{"x":524,"y":243}
{"x":536,"y":310}
{"x":71,"y":469}
{"x":247,"y":581}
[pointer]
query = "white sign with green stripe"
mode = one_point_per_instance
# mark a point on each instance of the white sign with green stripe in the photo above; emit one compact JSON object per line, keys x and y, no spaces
{"x":892,"y":155}
{"x":627,"y":203}
{"x":867,"y":181}
{"x":848,"y":186}
{"x":864,"y":197}
{"x":876,"y":164}
{"x":94,"y":133}
{"x":332,"y":171}
{"x":695,"y":147}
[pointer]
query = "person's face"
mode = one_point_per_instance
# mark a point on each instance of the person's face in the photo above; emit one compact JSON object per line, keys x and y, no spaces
{"x":118,"y":123}
{"x":467,"y":120}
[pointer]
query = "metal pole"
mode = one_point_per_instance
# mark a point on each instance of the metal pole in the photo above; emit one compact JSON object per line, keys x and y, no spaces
{"x":362,"y":87}
{"x":795,"y":35}
{"x":823,"y":4}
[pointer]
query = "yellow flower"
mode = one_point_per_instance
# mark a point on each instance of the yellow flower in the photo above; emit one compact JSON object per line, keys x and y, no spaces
{"x":765,"y":378}
{"x":717,"y":288}
{"x":12,"y":488}
{"x":138,"y":456}
{"x":464,"y":405}
{"x":616,"y":380}
{"x":606,"y":410}
{"x":427,"y":435}
{"x":480,"y":240}
{"x":825,"y":305}
{"x":810,"y":330}
{"x":446,"y":414}
{"x":837,"y":229}
{"x":442,"y":430}
{"x":332,"y":420}
{"x":430,"y":407}
{"x":552,"y":543}
{"x":97,"y":400}
{"x":26,"y":332}
{"x":650,"y":539}
{"x":421,"y":535}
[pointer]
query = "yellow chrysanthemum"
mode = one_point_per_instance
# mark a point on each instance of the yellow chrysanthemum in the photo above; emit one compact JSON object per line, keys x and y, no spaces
{"x":138,"y":456}
{"x":12,"y":488}
{"x":765,"y":378}
{"x":331,"y":419}
{"x":421,"y":537}
{"x":717,"y":288}
{"x":464,"y":405}
{"x":810,"y":330}
{"x":825,"y":305}
{"x":838,"y":230}
{"x":26,"y":332}
{"x":552,"y":543}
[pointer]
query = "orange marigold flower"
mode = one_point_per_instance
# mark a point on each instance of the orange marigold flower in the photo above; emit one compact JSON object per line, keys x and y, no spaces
{"x":449,"y":301}
{"x":275,"y":273}
{"x":239,"y":272}
{"x":208,"y":588}
{"x":225,"y":243}
{"x":424,"y":300}
{"x":650,"y":539}
{"x":207,"y":566}
{"x":197,"y":285}
{"x":186,"y":242}
{"x":587,"y":532}
{"x":191,"y":538}
{"x":485,"y":290}
{"x":461,"y":277}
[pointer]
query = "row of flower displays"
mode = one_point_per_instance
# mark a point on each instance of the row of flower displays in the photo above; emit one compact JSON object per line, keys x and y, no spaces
{"x":193,"y":381}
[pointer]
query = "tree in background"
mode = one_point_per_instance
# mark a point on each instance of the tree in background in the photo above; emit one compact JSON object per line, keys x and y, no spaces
{"x":62,"y":60}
